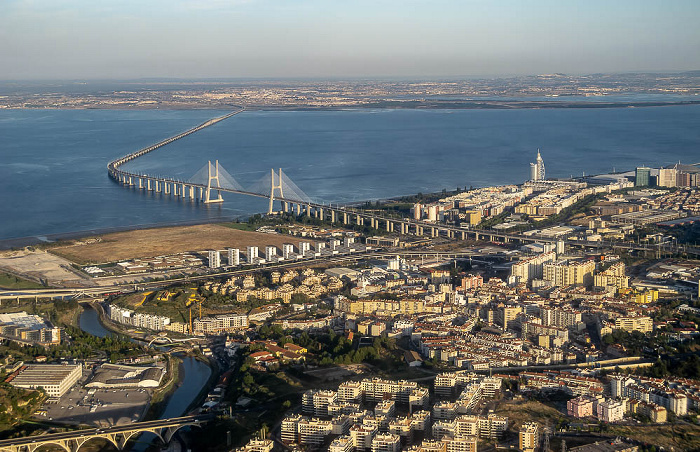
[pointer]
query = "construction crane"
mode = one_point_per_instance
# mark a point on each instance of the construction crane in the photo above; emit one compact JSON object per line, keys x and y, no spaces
{"x":188,"y":304}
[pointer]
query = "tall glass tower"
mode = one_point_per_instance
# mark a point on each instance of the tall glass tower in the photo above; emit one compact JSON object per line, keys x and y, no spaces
{"x":540,"y":166}
{"x":537,"y":169}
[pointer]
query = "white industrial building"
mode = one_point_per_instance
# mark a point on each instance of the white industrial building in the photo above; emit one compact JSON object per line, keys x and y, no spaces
{"x":56,"y":379}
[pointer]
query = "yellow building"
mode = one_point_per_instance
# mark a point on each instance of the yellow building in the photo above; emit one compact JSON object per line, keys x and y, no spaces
{"x":473,"y":217}
{"x":409,"y":306}
{"x":645,"y":297}
{"x":528,"y":437}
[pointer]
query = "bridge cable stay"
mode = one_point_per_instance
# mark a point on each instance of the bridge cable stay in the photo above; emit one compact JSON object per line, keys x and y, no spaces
{"x":216,"y":178}
{"x":291,"y":192}
{"x":225,"y":180}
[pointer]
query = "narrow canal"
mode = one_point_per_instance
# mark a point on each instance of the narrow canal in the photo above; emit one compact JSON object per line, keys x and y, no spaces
{"x":194,"y":374}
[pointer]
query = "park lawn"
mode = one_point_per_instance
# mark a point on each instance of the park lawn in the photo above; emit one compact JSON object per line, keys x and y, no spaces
{"x":240,"y":226}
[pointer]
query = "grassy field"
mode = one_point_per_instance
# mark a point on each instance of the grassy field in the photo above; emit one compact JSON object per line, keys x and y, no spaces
{"x":8,"y":281}
{"x":671,"y":437}
{"x":164,"y":241}
{"x":521,"y":411}
{"x":61,"y":313}
{"x":678,"y":436}
{"x":240,"y":226}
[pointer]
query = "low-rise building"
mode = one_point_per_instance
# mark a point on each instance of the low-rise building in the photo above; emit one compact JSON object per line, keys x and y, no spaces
{"x":55,"y":379}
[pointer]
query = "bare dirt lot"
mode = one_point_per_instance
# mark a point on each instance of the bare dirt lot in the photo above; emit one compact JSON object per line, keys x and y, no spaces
{"x":143,"y":243}
{"x":36,"y":265}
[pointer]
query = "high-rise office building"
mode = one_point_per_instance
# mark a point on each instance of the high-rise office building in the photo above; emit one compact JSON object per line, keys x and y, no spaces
{"x":642,"y":177}
{"x":537,"y":169}
{"x":668,"y":177}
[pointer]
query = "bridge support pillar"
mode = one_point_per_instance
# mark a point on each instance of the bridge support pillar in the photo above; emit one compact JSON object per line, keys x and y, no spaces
{"x":166,"y":188}
{"x":346,"y":219}
{"x":464,"y":235}
{"x":192,"y":192}
{"x":389,"y":226}
{"x":273,"y":186}
{"x":298,"y":209}
{"x":419,"y":230}
{"x":131,"y":182}
{"x":148,"y":185}
{"x":308,"y":210}
{"x":333,"y":216}
{"x":359,"y":220}
{"x":140,"y":183}
{"x":434,"y":232}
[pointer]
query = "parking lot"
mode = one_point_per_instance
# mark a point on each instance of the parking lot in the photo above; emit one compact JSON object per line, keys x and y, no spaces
{"x":99,"y":407}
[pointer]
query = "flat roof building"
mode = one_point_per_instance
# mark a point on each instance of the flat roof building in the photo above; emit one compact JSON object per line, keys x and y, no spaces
{"x":56,"y":379}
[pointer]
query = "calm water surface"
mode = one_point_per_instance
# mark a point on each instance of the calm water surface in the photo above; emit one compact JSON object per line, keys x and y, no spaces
{"x":53,"y":175}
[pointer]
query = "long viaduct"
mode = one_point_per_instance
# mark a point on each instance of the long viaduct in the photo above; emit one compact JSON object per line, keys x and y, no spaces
{"x":72,"y":441}
{"x":211,"y":178}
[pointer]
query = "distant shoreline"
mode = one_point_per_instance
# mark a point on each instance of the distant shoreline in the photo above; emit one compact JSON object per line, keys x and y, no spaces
{"x":391,"y":105}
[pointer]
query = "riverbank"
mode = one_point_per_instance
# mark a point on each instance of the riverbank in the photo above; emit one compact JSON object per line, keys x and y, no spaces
{"x":161,"y":395}
{"x":185,"y":374}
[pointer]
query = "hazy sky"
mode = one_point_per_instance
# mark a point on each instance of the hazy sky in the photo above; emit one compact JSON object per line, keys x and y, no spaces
{"x":49,"y":39}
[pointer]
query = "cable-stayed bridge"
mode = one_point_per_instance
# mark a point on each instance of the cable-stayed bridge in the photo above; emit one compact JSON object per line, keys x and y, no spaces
{"x":212,"y":179}
{"x":207,"y":184}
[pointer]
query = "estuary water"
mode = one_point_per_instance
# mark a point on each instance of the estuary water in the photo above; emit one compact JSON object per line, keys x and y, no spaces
{"x":53,"y":177}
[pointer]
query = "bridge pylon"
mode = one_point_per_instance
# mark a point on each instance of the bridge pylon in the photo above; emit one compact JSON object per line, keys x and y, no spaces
{"x":207,"y":193}
{"x":274,"y":187}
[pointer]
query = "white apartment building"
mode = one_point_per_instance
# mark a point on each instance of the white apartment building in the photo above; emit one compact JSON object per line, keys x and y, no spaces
{"x":214,"y":259}
{"x":252,"y":252}
{"x":528,"y":269}
{"x":386,"y":442}
{"x":234,"y":257}
{"x":342,"y":444}
{"x":610,"y":410}
{"x":362,"y":436}
{"x":220,"y":323}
